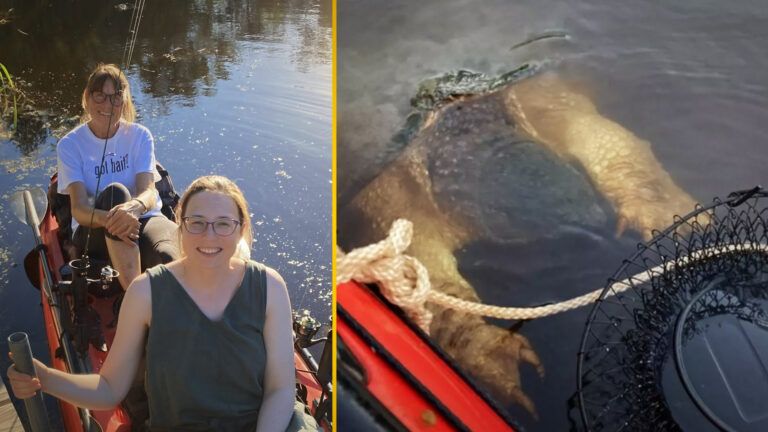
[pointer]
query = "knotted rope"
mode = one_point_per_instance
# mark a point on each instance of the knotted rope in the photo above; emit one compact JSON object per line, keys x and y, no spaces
{"x":404,"y":281}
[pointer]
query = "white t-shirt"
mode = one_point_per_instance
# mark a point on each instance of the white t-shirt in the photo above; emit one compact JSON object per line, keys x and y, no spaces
{"x":129,"y":152}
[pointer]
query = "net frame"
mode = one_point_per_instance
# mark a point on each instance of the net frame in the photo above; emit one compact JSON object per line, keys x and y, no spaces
{"x":631,"y":329}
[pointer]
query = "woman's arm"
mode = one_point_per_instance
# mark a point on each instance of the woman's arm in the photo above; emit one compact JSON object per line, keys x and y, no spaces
{"x":107,"y":388}
{"x":145,"y":191}
{"x":279,"y":375}
{"x":145,"y":164}
{"x":81,"y":208}
{"x":122,"y":218}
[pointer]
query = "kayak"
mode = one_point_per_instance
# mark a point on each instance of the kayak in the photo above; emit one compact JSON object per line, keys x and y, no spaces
{"x":390,"y":376}
{"x":80,"y":307}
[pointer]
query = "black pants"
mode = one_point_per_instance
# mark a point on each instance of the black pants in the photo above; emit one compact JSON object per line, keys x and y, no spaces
{"x":157,"y":234}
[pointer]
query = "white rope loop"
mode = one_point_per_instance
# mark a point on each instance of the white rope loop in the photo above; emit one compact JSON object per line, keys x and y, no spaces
{"x":403,"y":280}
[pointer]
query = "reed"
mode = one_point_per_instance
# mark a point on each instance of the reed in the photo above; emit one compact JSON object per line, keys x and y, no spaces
{"x":8,"y":92}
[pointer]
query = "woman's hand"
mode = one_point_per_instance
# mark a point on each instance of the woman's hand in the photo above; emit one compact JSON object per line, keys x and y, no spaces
{"x":123,"y":222}
{"x":105,"y":390}
{"x":23,"y":385}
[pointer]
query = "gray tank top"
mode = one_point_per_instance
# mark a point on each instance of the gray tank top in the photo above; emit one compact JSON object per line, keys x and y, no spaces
{"x":205,"y":375}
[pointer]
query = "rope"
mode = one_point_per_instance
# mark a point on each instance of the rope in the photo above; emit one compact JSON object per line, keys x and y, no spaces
{"x":404,"y":281}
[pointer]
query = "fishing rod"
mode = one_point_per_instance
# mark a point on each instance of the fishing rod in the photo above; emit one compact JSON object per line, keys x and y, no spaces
{"x":130,"y":43}
{"x":84,"y":255}
{"x":133,"y":31}
{"x":78,"y":287}
{"x":83,"y":331}
{"x":81,"y":266}
{"x":74,"y":335}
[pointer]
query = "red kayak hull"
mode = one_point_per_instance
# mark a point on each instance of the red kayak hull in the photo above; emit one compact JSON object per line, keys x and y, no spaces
{"x":404,"y":373}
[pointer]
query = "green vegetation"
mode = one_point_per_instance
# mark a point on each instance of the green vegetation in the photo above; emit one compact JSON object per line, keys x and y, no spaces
{"x":8,"y":92}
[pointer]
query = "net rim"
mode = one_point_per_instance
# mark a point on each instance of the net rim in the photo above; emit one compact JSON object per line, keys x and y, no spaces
{"x":733,"y":201}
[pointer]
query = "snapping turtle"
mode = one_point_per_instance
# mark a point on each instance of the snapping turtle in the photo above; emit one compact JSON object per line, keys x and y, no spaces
{"x":514,"y":158}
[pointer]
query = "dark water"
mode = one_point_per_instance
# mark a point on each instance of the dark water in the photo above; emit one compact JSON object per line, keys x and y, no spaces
{"x":238,"y":88}
{"x":691,"y":79}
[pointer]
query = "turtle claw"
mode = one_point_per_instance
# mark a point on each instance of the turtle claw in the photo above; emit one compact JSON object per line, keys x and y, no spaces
{"x":491,"y":355}
{"x":621,"y":226}
{"x":514,"y":349}
{"x":521,"y":398}
{"x":649,"y":212}
{"x":647,"y":235}
{"x":529,"y":356}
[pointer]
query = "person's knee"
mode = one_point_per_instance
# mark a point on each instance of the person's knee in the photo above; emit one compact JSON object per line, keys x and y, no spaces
{"x":167,"y":251}
{"x":158,"y":244}
{"x":97,"y":246}
{"x":112,"y":195}
{"x":162,"y":253}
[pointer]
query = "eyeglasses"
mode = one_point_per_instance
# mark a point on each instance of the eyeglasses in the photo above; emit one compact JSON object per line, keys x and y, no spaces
{"x":197,"y":225}
{"x":115,"y":99}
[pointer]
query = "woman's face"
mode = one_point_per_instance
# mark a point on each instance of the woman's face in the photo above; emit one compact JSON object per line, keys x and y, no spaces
{"x":208,"y":248}
{"x":105,"y":103}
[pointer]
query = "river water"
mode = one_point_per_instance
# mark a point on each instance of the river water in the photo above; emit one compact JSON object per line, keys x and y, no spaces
{"x":241,"y":88}
{"x":689,"y":77}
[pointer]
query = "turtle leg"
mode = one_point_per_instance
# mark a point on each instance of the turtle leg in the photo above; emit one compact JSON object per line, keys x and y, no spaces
{"x":621,"y":165}
{"x":489,"y":353}
{"x":404,"y":190}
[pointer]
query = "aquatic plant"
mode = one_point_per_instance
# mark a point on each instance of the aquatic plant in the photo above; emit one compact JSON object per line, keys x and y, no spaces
{"x":8,"y":92}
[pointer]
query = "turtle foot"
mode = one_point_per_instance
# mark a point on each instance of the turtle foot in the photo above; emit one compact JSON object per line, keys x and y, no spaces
{"x":654,"y":208}
{"x":491,"y":355}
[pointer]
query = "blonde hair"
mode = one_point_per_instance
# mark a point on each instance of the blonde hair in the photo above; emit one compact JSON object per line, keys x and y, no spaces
{"x":221,"y":184}
{"x":96,"y":81}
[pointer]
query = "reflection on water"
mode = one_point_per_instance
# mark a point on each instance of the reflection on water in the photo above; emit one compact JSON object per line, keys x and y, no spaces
{"x":240,"y":88}
{"x":183,"y":48}
{"x":689,"y":79}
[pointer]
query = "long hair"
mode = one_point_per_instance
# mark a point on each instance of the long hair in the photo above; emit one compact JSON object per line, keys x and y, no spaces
{"x":95,"y":83}
{"x":217,"y":183}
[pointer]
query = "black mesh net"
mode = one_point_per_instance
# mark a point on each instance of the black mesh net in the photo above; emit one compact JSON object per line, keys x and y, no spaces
{"x":678,"y":339}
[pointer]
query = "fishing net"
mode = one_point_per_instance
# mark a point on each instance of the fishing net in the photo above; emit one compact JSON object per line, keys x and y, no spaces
{"x":678,"y":340}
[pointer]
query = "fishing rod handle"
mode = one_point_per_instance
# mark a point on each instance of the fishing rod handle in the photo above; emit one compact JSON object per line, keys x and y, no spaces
{"x":22,"y":361}
{"x":22,"y":353}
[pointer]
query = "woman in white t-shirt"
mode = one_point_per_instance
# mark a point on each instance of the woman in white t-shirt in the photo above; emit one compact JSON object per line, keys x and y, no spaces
{"x":127,"y":223}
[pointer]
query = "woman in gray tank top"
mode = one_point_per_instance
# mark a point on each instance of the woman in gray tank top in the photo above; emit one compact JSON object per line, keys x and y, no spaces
{"x":217,"y":329}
